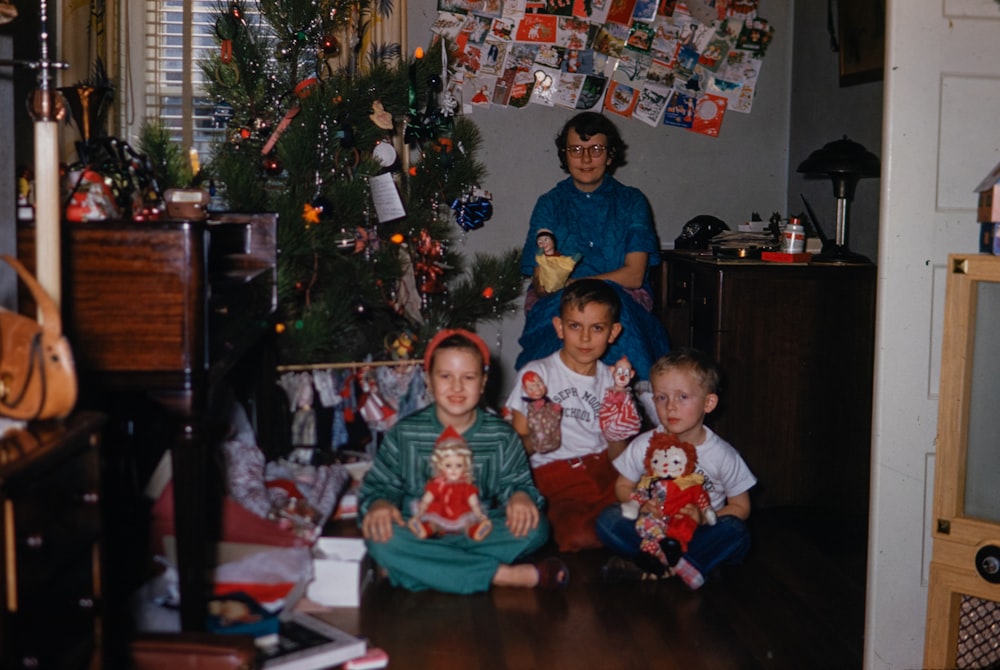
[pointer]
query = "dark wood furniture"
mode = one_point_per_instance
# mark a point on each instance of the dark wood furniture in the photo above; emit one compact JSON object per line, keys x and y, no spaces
{"x":167,"y":311}
{"x":796,"y":343}
{"x":50,"y":490}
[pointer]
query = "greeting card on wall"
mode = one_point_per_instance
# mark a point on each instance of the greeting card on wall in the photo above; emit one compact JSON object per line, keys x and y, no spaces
{"x":679,"y":111}
{"x":708,"y":113}
{"x":620,"y":99}
{"x":651,"y":105}
{"x":659,"y":61}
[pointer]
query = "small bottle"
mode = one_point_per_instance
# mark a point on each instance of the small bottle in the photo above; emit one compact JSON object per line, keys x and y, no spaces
{"x":793,"y":239}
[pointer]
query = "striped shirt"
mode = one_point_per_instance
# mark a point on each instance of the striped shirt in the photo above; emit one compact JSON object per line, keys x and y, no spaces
{"x":402,"y":464}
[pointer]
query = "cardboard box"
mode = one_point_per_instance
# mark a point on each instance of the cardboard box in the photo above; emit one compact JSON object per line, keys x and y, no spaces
{"x":341,"y":571}
{"x":989,"y":197}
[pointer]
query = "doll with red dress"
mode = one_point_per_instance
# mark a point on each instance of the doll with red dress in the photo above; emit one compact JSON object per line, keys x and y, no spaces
{"x":450,"y":503}
{"x":668,"y":484}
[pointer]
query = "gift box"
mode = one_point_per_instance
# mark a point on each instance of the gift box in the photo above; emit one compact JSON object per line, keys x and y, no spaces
{"x":341,"y":571}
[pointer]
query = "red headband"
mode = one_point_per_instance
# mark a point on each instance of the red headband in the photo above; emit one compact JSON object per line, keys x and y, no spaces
{"x":448,"y":332}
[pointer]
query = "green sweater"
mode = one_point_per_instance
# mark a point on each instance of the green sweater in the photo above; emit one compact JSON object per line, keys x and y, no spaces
{"x":402,"y":465}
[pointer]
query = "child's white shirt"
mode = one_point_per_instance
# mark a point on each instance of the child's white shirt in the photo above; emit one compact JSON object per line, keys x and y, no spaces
{"x":580,"y":397}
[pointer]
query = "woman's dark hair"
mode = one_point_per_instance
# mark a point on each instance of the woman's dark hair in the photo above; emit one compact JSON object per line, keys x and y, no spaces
{"x":586,"y":125}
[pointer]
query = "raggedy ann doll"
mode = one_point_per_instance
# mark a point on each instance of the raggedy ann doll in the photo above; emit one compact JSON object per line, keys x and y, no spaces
{"x":668,"y":484}
{"x":450,"y":503}
{"x":544,"y":416}
{"x":618,"y":415}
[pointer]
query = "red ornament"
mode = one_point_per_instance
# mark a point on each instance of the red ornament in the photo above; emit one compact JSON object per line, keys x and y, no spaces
{"x":488,"y":292}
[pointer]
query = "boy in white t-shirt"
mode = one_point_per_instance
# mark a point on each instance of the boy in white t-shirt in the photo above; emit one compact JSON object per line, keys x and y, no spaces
{"x":575,"y":475}
{"x":685,"y":388}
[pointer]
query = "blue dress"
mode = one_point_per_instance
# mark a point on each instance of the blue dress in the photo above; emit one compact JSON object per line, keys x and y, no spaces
{"x":602,"y":226}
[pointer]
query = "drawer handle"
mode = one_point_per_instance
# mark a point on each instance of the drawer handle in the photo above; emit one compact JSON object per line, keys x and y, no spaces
{"x":86,"y":603}
{"x":91,"y":497}
{"x":35,"y":541}
{"x":222,"y":310}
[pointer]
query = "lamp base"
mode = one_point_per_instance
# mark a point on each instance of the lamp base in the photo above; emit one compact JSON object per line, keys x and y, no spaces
{"x":835,"y":253}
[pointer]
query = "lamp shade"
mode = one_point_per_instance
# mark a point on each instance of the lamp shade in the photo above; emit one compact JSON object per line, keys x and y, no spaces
{"x":843,"y":161}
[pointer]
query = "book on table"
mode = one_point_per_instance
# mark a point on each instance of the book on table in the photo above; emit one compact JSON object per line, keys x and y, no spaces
{"x":308,"y":643}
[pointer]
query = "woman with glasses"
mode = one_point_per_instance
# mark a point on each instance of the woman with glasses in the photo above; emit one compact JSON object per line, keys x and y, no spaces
{"x":610,"y":227}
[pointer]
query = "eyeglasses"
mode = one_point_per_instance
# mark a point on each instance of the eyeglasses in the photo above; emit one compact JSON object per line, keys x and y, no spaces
{"x":595,"y":150}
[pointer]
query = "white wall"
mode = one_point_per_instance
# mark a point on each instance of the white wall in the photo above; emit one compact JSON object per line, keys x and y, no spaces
{"x":682,"y":173}
{"x":942,"y":87}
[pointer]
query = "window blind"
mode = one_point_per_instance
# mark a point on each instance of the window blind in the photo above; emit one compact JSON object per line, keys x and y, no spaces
{"x":178,"y":34}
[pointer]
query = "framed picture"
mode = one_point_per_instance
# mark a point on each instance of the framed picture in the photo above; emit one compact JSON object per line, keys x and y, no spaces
{"x":861,"y":31}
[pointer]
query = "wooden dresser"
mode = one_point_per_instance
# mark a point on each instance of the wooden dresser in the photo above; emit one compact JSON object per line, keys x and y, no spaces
{"x":159,"y":314}
{"x":52,"y":590}
{"x":796,"y":344}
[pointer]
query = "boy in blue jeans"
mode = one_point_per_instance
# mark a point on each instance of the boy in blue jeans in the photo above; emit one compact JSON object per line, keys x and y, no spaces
{"x":685,"y":388}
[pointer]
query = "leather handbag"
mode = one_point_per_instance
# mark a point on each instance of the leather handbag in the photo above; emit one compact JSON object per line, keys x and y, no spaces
{"x":37,"y":373}
{"x":193,"y":651}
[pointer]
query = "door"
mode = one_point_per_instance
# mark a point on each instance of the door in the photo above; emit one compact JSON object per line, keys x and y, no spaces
{"x":942,"y":90}
{"x":963,"y":604}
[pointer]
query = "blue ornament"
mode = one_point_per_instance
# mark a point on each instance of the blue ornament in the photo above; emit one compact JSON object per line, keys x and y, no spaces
{"x":472,"y":211}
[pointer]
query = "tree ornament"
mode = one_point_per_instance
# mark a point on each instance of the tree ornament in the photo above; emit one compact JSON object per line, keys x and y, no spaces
{"x":380,"y":117}
{"x":473,"y":209}
{"x":271,"y":165}
{"x":344,"y":239}
{"x":222,"y":114}
{"x":330,"y":46}
{"x":385,"y":153}
{"x":284,"y":51}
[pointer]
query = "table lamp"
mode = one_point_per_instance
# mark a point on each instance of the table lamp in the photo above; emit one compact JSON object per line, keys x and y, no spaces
{"x":844,"y":162}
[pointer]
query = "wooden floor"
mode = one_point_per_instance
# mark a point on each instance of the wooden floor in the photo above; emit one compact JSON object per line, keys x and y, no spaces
{"x":798,"y":602}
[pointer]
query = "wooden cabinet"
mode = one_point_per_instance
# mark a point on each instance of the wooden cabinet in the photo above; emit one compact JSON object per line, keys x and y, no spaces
{"x":50,"y":491}
{"x":796,"y":345}
{"x":172,"y":312}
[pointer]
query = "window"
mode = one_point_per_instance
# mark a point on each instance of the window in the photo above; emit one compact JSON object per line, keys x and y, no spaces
{"x":177,"y":35}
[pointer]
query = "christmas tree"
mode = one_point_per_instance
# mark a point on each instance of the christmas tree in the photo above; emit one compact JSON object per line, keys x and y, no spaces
{"x":374,"y":178}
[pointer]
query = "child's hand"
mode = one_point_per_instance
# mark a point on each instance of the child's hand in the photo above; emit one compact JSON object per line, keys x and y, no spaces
{"x":378,"y":522}
{"x":522,"y":514}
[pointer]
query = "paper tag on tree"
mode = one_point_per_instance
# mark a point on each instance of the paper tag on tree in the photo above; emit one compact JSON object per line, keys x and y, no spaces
{"x":388,"y":204}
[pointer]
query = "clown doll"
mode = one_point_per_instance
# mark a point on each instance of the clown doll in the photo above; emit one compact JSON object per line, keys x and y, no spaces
{"x":668,"y":485}
{"x":544,"y":416}
{"x":619,"y":418}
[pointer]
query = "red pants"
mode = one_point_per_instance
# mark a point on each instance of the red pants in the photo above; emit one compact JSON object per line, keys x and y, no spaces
{"x":577,"y":490}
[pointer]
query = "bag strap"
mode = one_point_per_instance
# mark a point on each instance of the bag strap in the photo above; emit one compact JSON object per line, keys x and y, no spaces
{"x":51,"y":321}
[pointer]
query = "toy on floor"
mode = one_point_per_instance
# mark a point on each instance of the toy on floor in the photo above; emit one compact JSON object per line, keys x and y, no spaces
{"x":668,"y":485}
{"x":450,"y":503}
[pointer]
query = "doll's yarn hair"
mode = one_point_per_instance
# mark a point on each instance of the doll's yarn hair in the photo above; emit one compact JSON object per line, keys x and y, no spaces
{"x":662,"y":442}
{"x":452,"y":444}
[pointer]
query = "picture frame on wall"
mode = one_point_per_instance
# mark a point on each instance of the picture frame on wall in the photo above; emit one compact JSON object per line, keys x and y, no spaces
{"x":861,"y":39}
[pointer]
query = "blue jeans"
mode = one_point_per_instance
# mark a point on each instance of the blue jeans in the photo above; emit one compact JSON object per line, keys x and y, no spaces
{"x":728,"y":541}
